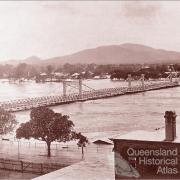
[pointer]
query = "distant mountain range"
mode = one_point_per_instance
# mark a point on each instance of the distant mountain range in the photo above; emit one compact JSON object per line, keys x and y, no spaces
{"x":29,"y":60}
{"x":115,"y":54}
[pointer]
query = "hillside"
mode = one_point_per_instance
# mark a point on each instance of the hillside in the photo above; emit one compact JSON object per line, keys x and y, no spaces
{"x":114,"y":54}
{"x":119,"y":54}
{"x":29,"y":60}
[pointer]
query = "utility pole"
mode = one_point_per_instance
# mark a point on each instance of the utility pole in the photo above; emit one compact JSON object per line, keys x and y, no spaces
{"x":18,"y":151}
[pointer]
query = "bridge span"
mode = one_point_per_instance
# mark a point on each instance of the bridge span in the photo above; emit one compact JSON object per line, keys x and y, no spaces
{"x":29,"y":103}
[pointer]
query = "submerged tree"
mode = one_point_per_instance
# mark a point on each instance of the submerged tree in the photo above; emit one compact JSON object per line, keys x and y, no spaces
{"x":82,"y":142}
{"x":7,"y":122}
{"x":48,"y":126}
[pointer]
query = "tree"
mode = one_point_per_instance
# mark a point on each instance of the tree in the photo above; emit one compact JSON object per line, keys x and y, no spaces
{"x":7,"y":122}
{"x":8,"y":69}
{"x":48,"y":126}
{"x":82,"y":142}
{"x":50,"y":69}
{"x":118,"y":74}
{"x":21,"y":71}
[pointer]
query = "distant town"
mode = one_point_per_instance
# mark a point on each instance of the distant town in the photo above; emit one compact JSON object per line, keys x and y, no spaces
{"x":51,"y":73}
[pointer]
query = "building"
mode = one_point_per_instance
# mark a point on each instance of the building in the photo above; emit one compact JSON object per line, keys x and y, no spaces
{"x":75,"y":75}
{"x":149,"y":155}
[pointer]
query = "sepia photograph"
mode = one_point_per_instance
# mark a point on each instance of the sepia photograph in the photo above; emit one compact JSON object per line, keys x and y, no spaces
{"x":89,"y":90}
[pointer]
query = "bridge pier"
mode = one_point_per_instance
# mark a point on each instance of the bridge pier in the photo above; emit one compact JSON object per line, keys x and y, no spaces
{"x":142,"y":81}
{"x":170,"y":76}
{"x":80,"y":87}
{"x":64,"y":88}
{"x":129,"y":81}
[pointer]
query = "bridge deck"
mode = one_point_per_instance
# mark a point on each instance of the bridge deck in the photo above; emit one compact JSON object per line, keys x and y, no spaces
{"x":29,"y":103}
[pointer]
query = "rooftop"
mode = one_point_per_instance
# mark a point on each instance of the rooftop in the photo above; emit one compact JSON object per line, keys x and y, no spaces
{"x":141,"y":135}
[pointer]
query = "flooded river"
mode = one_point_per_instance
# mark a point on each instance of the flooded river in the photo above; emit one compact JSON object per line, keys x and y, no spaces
{"x":117,"y":114}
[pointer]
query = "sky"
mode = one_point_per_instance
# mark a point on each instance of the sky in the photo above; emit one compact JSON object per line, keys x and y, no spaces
{"x":55,"y":28}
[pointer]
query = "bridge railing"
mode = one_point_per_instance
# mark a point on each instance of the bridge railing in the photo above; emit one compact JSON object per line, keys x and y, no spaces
{"x":24,"y":104}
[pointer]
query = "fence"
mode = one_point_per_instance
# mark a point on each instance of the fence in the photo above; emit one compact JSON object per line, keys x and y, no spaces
{"x":35,"y":145}
{"x":32,"y":157}
{"x":37,"y":168}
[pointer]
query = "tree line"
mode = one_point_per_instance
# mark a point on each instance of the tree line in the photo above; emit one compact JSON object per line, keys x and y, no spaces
{"x":24,"y":70}
{"x":151,"y":71}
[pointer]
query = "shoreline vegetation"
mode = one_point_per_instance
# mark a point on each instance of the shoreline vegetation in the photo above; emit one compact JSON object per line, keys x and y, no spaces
{"x":51,"y":73}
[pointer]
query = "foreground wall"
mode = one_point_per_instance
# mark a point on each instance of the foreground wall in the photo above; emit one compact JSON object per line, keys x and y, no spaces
{"x":146,"y":159}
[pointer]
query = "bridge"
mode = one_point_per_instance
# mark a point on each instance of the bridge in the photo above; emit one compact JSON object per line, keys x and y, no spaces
{"x":82,"y":95}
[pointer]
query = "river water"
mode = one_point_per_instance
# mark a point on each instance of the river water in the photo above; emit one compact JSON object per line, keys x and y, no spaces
{"x":112,"y":115}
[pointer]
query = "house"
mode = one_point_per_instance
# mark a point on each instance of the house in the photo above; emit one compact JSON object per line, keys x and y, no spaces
{"x":75,"y":75}
{"x":43,"y":74}
{"x":97,"y":77}
{"x":58,"y":74}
